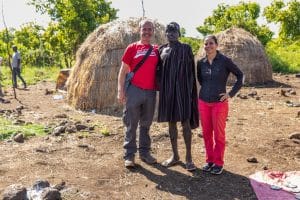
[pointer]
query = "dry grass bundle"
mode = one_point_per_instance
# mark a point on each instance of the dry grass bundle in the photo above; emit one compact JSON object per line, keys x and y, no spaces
{"x":93,"y":81}
{"x":247,"y":53}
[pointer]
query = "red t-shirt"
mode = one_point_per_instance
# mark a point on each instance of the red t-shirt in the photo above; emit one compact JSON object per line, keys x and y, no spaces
{"x":144,"y":77}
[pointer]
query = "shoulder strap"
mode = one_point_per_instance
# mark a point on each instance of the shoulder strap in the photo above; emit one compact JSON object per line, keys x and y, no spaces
{"x":143,"y":60}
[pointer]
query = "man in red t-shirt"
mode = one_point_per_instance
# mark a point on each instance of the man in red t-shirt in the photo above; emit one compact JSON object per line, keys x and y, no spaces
{"x":139,"y":97}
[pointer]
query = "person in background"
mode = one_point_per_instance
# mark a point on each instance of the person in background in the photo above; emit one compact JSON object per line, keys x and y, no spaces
{"x":212,"y":73}
{"x":140,"y":96}
{"x":177,"y":93}
{"x":16,"y":67}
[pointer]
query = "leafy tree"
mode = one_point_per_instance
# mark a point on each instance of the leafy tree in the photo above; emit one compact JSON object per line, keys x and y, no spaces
{"x":287,"y":15}
{"x":4,"y":41}
{"x":75,"y":20}
{"x":28,"y":41}
{"x":243,"y":15}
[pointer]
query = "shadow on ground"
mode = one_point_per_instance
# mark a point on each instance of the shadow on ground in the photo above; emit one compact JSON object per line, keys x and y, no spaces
{"x":200,"y":185}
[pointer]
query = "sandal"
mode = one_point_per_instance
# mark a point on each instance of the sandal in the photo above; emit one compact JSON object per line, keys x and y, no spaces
{"x":190,"y":166}
{"x":170,"y":162}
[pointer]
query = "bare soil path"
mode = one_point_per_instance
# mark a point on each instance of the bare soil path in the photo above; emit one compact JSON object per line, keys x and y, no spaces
{"x":91,"y":164}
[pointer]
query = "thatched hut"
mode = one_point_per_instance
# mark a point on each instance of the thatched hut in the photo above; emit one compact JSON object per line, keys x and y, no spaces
{"x":247,"y":52}
{"x":93,"y":81}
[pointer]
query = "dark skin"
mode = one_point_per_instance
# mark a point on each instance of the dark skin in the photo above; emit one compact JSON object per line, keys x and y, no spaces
{"x":172,"y":36}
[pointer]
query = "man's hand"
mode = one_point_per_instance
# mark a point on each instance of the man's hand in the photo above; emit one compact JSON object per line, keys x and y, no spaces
{"x":121,"y":96}
{"x":224,"y":96}
{"x":121,"y":81}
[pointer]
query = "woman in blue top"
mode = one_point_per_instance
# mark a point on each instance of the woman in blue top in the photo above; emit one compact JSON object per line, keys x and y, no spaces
{"x":212,"y":73}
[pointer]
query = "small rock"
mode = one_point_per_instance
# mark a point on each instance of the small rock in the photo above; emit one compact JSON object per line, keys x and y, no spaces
{"x":20,"y":108}
{"x":257,"y":98}
{"x":296,"y":141}
{"x":19,"y":138}
{"x":252,"y":93}
{"x":295,"y":135}
{"x":265,"y":168}
{"x":283,"y":92}
{"x":80,"y":127}
{"x":62,"y":123}
{"x":63,"y":115}
{"x":293,"y":92}
{"x":91,"y":128}
{"x":5,"y":101}
{"x":41,"y":149}
{"x":18,"y":122}
{"x":60,"y":186}
{"x":40,"y":184}
{"x":71,"y":129}
{"x":50,"y":194}
{"x":297,"y":75}
{"x":15,"y":192}
{"x":252,"y":160}
{"x":242,"y":96}
{"x":48,"y":92}
{"x":83,"y":146}
{"x":298,"y":114}
{"x":58,"y":130}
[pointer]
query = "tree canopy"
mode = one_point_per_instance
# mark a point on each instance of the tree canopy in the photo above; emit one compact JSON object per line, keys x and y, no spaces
{"x":287,"y":15}
{"x":243,"y":15}
{"x":74,"y":20}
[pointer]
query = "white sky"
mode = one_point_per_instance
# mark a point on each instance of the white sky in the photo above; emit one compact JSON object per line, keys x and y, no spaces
{"x":188,"y":13}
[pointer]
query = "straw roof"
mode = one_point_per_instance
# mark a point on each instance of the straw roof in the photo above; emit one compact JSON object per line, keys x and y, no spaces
{"x":247,"y":53}
{"x":93,"y":81}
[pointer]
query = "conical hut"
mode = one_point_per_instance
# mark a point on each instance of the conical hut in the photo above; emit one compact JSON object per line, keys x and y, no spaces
{"x":93,"y":81}
{"x":247,"y":53}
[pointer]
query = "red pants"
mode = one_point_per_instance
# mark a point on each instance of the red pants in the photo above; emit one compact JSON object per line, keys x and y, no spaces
{"x":213,"y":121}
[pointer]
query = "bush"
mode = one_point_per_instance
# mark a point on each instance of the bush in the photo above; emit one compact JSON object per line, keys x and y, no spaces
{"x":284,"y":55}
{"x":193,"y":42}
{"x":32,"y":75}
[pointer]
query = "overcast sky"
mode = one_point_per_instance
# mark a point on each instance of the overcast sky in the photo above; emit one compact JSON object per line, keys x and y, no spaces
{"x":188,"y":13}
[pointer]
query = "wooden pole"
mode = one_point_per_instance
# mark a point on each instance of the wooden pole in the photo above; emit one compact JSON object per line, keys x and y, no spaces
{"x":8,"y":52}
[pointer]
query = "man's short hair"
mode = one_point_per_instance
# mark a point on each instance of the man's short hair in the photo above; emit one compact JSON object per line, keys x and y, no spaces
{"x":145,"y":21}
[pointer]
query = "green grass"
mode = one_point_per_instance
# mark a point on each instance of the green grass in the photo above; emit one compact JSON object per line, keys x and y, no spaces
{"x":284,"y":55}
{"x":32,"y":75}
{"x":7,"y":128}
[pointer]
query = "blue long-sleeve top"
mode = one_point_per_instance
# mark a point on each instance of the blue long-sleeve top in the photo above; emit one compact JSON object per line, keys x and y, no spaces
{"x":213,"y":77}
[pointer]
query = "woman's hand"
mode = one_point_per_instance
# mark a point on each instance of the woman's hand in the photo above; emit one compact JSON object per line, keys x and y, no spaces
{"x":224,"y":96}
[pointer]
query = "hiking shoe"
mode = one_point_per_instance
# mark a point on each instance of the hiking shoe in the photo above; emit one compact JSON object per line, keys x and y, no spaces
{"x":208,"y":166}
{"x":129,"y":162}
{"x":148,"y":158}
{"x":216,"y":170}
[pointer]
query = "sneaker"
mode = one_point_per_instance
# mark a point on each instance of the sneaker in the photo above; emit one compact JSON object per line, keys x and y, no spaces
{"x":208,"y":166}
{"x":129,"y":162}
{"x":148,"y":158}
{"x":216,"y":169}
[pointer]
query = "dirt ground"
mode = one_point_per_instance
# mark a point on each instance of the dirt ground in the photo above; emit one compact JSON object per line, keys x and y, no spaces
{"x":92,"y":166}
